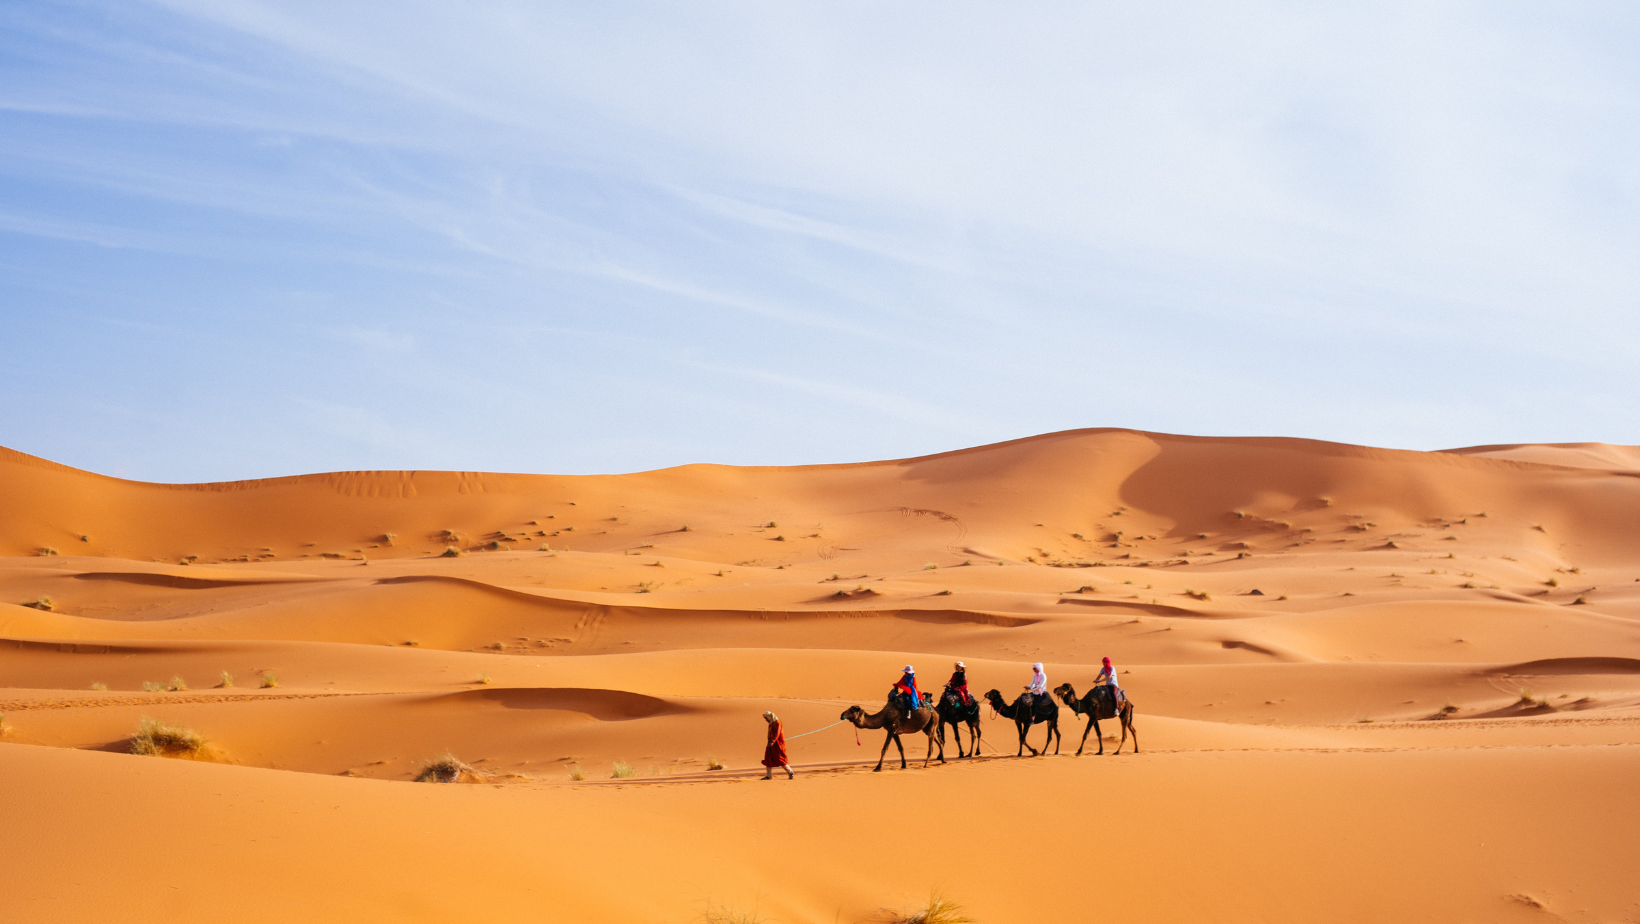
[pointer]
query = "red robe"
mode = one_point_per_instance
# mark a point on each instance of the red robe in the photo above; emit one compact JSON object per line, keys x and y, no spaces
{"x":774,"y":755}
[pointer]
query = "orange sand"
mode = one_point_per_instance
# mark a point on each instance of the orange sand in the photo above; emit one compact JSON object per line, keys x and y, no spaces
{"x":1350,"y":743}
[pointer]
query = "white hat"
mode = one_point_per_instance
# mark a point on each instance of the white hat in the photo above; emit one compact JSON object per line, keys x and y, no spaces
{"x":1037,"y":666}
{"x":909,"y":669}
{"x":769,"y":715}
{"x":962,"y":665}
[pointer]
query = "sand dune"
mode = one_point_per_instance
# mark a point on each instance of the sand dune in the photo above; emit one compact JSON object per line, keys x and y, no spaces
{"x":1369,"y":683}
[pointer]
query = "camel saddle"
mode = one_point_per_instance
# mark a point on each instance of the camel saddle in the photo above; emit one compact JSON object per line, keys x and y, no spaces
{"x":1106,"y":698}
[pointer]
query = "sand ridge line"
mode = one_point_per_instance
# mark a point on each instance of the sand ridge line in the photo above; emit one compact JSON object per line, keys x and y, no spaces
{"x":24,"y":705}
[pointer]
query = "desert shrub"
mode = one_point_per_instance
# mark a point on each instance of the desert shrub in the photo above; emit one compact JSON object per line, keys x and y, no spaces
{"x":155,"y":738}
{"x":451,"y":551}
{"x":576,"y":773}
{"x":620,"y":770}
{"x":153,"y":686}
{"x":99,"y":686}
{"x":938,"y":910}
{"x":712,"y":763}
{"x":227,"y":679}
{"x":176,"y":685}
{"x":270,"y":680}
{"x":445,"y":768}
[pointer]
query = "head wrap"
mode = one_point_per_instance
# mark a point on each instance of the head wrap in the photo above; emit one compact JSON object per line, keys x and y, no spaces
{"x":909,"y":669}
{"x":770,"y":715}
{"x":1107,"y":662}
{"x":1037,"y":667}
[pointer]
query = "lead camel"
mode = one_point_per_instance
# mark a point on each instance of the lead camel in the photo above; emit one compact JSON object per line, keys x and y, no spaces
{"x":898,"y":722}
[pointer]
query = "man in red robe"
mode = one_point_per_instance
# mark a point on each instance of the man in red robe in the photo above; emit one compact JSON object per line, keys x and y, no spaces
{"x":774,"y":753}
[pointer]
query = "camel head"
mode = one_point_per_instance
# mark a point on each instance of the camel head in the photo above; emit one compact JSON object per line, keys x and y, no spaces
{"x":994,"y":697}
{"x":1065,"y":692}
{"x":853,"y":714}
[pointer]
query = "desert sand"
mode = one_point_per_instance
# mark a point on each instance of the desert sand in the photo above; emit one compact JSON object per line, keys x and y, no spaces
{"x":1369,"y":685}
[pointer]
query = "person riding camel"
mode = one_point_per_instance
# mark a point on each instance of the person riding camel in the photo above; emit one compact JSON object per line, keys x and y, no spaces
{"x":1039,"y":683}
{"x":906,"y":690}
{"x":958,"y":685}
{"x":1107,"y":676}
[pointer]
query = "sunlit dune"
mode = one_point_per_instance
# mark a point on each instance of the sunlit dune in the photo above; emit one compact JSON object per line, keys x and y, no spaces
{"x":1364,"y":681}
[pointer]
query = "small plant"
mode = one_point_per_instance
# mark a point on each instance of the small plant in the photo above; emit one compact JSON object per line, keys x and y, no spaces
{"x":451,"y":551}
{"x":48,"y":550}
{"x":387,"y":538}
{"x":685,"y":528}
{"x":712,"y":763}
{"x":930,"y":566}
{"x":177,"y":685}
{"x":227,"y":679}
{"x":943,"y":593}
{"x":153,"y":686}
{"x":445,"y":768}
{"x":576,"y":773}
{"x":155,"y":738}
{"x":770,"y":525}
{"x":1197,"y":594}
{"x":483,"y":678}
{"x":42,"y":602}
{"x":99,"y":686}
{"x":780,"y":539}
{"x":723,"y":914}
{"x":939,"y":910}
{"x":1553,"y":582}
{"x":1581,"y":600}
{"x":620,"y":770}
{"x":270,"y":679}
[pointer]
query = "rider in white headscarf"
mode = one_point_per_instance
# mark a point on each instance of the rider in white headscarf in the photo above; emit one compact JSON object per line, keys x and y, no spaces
{"x":1039,"y":680}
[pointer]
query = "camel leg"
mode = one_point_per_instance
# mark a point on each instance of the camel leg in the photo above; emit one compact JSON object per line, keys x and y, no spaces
{"x":1092,"y":724}
{"x":901,"y":746}
{"x":1053,"y":732}
{"x":1127,"y":726}
{"x":973,"y":739}
{"x":879,"y":767}
{"x":1024,"y":730}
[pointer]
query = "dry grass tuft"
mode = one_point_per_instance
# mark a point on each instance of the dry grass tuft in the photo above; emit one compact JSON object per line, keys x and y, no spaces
{"x":576,"y":773}
{"x":227,"y":679}
{"x":723,"y":914}
{"x":99,"y":686}
{"x":270,"y":680}
{"x":451,"y":551}
{"x":712,"y":762}
{"x":153,"y":686}
{"x":483,"y":678}
{"x":620,"y":770}
{"x":155,"y":738}
{"x":939,"y":910}
{"x":1198,"y":594}
{"x":42,"y":602}
{"x":447,"y":768}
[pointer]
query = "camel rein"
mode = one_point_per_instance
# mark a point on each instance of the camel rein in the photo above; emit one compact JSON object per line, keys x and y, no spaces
{"x":819,"y":730}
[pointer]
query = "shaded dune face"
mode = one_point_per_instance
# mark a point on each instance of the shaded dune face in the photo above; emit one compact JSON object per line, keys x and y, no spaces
{"x":1265,"y":600}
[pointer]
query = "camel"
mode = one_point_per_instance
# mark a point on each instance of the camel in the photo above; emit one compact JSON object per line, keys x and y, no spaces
{"x":1025,"y":715}
{"x":897,"y":722}
{"x":1100,"y":703}
{"x":954,"y":713}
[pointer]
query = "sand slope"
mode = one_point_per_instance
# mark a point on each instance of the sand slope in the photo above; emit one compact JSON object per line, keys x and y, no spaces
{"x":1353,"y":667}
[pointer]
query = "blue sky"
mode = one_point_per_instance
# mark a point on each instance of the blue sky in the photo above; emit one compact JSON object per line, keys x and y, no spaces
{"x":242,"y":239}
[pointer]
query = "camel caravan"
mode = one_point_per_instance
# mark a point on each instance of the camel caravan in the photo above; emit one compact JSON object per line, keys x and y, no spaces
{"x":910,"y":711}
